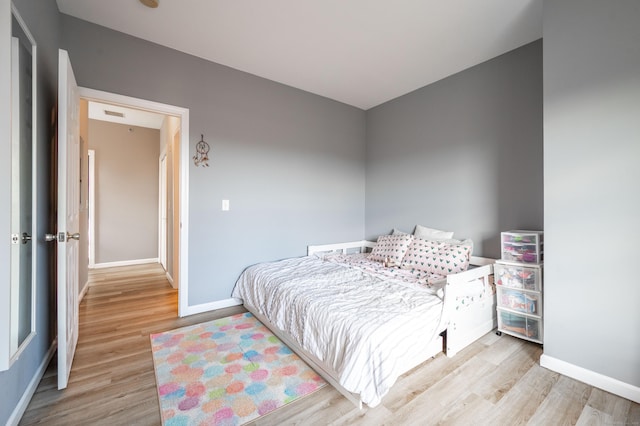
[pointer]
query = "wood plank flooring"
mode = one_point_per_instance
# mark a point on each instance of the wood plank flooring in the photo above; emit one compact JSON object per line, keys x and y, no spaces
{"x":495,"y":381}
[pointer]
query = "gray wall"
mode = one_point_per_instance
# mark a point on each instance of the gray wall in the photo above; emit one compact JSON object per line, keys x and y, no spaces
{"x":463,"y":154}
{"x":591,"y":173}
{"x":42,"y":20}
{"x":291,"y":163}
{"x":293,"y":166}
{"x":126,"y":184}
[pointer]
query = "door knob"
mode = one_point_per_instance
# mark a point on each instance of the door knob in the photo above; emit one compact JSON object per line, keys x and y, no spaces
{"x":25,"y":238}
{"x":62,"y":237}
{"x":75,"y":236}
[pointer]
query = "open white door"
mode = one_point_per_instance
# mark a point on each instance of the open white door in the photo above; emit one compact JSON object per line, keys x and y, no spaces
{"x":68,"y":216}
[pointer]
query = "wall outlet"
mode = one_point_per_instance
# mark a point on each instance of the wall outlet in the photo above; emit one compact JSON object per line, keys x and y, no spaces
{"x":225,"y":205}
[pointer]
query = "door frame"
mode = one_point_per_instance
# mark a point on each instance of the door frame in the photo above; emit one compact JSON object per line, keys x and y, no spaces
{"x":162,"y":207}
{"x":91,"y":195}
{"x":183,"y":115}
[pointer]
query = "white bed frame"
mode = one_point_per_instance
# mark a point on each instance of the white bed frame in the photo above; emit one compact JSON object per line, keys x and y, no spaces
{"x":464,"y":325}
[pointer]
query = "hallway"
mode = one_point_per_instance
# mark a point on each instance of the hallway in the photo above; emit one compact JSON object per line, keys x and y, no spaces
{"x":112,"y":378}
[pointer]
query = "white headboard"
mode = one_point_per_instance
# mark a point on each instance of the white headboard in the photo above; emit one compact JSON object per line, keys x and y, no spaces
{"x":362,"y":246}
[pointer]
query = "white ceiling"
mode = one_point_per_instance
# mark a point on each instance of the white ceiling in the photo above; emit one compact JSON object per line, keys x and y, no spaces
{"x":360,"y":52}
{"x":130,"y":116}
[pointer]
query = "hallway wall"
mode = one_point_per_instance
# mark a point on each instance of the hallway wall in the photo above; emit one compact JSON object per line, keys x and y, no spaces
{"x":126,"y":182}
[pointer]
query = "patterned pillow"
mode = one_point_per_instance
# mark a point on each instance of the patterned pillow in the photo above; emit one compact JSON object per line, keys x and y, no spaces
{"x":451,"y":257}
{"x":392,"y":246}
{"x":420,"y":253}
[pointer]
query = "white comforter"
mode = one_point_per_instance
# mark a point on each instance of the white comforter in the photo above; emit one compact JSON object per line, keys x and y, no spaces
{"x":365,"y":326}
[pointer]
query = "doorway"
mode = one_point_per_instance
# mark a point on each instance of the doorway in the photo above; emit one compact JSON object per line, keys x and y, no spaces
{"x":123,"y":174}
{"x":175,"y":180}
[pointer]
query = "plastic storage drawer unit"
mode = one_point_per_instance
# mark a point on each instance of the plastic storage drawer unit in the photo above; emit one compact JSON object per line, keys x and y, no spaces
{"x":522,"y":246}
{"x":520,"y":301}
{"x":518,"y":276}
{"x":520,"y":326}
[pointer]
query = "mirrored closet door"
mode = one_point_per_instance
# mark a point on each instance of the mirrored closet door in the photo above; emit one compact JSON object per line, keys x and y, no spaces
{"x":23,"y":172}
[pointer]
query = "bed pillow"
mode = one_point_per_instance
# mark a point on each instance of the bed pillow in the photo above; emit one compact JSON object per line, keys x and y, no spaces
{"x":451,"y":257}
{"x":431,"y":234}
{"x":399,"y":232}
{"x":420,"y":254}
{"x":466,"y":242}
{"x":393,"y":247}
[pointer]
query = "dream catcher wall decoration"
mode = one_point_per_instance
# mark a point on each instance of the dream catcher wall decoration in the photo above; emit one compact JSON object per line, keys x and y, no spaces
{"x":201,"y":158}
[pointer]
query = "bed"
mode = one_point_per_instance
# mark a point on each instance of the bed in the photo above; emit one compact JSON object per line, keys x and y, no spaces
{"x":361,"y":323}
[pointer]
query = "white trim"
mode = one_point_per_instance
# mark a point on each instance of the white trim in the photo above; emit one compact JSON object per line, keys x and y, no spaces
{"x":592,"y":378}
{"x":22,"y":347}
{"x":5,"y":170}
{"x":212,"y":306}
{"x":170,"y":279}
{"x":22,"y":405}
{"x":92,"y":206}
{"x":125,"y":263}
{"x":183,"y":115}
{"x":183,"y":211}
{"x":34,"y":175}
{"x":162,"y":203}
{"x":128,"y":101}
{"x":15,"y":195}
{"x":83,"y":292}
{"x":164,"y":151}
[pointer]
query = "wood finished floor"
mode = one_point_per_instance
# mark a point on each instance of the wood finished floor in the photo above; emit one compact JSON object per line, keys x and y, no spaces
{"x":495,"y":381}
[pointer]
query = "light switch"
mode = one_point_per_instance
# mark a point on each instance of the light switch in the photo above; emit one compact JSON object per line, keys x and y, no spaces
{"x":225,"y":205}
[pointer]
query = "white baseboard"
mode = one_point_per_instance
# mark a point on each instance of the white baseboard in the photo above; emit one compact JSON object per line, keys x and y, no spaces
{"x":125,"y":263}
{"x":212,"y":306}
{"x":592,"y":378}
{"x":22,"y":405}
{"x":170,"y":279}
{"x":83,"y":292}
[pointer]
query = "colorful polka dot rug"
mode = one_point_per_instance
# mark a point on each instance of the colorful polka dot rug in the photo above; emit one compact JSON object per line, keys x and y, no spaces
{"x":226,"y":372}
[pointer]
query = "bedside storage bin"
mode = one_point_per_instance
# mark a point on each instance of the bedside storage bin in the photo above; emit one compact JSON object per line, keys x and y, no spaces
{"x":527,"y":277}
{"x":520,"y":325}
{"x":520,"y":301}
{"x":522,"y":246}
